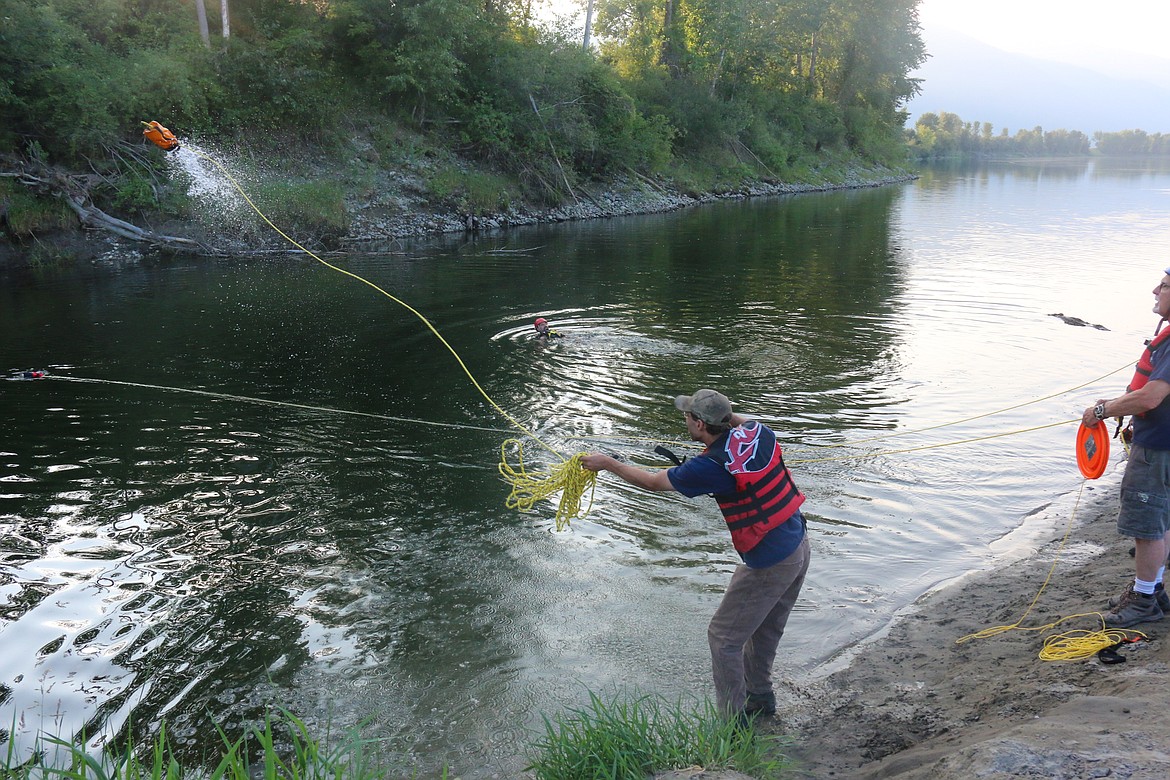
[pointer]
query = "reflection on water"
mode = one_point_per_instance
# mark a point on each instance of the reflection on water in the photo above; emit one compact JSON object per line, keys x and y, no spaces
{"x":200,"y":557}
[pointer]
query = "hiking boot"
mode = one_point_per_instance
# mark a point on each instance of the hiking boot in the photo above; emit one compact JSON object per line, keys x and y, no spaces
{"x":1159,"y":595}
{"x":760,"y":705}
{"x":1133,"y":608}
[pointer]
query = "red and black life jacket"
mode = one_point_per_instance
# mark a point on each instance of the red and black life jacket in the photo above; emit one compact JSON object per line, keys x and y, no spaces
{"x":765,"y":495}
{"x":1145,"y":364}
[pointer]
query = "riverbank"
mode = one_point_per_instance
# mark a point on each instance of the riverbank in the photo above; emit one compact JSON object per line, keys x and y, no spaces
{"x":914,"y":704}
{"x":396,"y":209}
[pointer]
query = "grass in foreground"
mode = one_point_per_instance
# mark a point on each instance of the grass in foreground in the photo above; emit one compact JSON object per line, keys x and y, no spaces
{"x":285,"y":748}
{"x":633,"y":737}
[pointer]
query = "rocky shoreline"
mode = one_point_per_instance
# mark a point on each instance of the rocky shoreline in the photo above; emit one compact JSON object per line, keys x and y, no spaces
{"x":399,"y":209}
{"x":392,"y":215}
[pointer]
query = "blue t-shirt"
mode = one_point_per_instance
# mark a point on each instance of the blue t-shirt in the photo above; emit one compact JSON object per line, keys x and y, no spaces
{"x":1152,"y":429}
{"x":703,"y":475}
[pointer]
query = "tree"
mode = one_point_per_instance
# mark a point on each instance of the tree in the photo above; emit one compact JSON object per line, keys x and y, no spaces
{"x":201,"y":11}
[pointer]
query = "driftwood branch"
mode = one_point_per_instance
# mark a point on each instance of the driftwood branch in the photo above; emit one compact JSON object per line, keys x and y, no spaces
{"x":757,"y":159}
{"x":74,"y":189}
{"x":647,"y":181}
{"x":553,"y":149}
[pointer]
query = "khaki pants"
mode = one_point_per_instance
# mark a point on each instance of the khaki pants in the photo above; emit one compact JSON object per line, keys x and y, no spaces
{"x":748,"y":625}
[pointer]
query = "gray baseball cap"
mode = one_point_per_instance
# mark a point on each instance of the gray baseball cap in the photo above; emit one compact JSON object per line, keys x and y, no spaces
{"x":709,"y":406}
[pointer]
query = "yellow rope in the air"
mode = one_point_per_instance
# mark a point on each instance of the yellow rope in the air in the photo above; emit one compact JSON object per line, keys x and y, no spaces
{"x":1071,"y":646}
{"x":855,"y":456}
{"x":569,"y":477}
{"x":980,"y":416}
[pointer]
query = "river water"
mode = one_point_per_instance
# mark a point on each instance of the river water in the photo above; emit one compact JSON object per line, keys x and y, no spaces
{"x":198,"y":557}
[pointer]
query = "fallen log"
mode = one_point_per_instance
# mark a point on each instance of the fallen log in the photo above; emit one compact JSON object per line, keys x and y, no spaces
{"x":74,"y":189}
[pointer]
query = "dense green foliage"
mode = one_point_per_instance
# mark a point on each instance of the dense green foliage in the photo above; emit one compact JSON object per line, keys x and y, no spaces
{"x":638,"y":736}
{"x":946,"y":135}
{"x":1132,"y":142}
{"x":745,"y":87}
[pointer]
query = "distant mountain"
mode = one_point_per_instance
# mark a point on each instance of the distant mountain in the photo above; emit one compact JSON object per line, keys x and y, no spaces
{"x":983,"y":84}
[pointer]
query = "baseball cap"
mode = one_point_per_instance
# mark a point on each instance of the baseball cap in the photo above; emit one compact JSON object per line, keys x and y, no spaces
{"x":709,"y":406}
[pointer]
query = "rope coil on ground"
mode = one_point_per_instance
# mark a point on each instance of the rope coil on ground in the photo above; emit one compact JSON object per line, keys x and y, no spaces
{"x":1071,"y":646}
{"x":1080,"y":644}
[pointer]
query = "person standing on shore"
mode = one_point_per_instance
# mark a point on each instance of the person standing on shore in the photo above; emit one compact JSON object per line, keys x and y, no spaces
{"x":742,"y":468}
{"x":1145,"y":486}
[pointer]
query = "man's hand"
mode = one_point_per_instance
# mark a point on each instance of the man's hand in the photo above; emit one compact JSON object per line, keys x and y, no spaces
{"x":650,"y":480}
{"x":595,"y":461}
{"x":1089,"y":416}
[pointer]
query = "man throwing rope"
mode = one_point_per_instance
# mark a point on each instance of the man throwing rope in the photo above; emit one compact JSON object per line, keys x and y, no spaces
{"x":1145,"y":487}
{"x":743,"y":470}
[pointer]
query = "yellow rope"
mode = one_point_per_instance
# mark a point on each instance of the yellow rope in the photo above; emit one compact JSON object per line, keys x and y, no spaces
{"x":934,"y":446}
{"x":568,"y":477}
{"x":1071,"y":646}
{"x":1077,"y":645}
{"x":980,"y":416}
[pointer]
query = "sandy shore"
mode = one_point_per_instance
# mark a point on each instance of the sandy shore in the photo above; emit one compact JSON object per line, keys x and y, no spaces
{"x":916,"y":704}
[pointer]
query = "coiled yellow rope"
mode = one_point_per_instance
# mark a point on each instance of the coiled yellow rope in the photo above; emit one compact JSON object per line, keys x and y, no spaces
{"x":1071,"y":646}
{"x":1078,"y":645}
{"x":568,"y":477}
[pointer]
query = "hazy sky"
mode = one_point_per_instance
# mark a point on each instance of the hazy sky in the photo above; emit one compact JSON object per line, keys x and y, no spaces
{"x":1057,"y":28}
{"x":1044,"y":28}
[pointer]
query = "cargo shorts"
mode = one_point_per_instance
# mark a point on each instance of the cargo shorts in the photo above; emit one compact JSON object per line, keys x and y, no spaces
{"x":1145,"y":494}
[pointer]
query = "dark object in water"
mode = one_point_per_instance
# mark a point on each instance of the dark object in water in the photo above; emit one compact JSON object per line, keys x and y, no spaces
{"x":1077,"y":321}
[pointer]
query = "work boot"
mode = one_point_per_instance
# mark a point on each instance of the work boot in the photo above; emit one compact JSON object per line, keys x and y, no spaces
{"x":1159,"y":595}
{"x":760,"y":705}
{"x":1133,"y":608}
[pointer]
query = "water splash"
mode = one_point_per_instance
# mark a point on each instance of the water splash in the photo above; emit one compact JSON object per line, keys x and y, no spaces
{"x":212,"y":192}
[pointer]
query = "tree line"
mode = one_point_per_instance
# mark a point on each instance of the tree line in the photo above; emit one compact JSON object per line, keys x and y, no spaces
{"x":944,"y":135}
{"x":728,"y":88}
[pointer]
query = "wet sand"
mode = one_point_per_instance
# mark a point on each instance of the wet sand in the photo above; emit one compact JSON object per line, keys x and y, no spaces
{"x":915,"y":704}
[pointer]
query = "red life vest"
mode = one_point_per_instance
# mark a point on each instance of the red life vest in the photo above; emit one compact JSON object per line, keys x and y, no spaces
{"x":1145,"y":364}
{"x":765,"y":495}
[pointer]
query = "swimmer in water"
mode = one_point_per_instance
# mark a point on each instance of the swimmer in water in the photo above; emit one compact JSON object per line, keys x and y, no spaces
{"x":543,"y":331}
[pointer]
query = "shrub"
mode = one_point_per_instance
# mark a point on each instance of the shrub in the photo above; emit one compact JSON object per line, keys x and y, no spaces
{"x":25,"y":215}
{"x":636,"y":736}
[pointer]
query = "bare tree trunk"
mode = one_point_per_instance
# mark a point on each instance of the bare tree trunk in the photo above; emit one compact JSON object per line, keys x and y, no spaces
{"x":588,"y":25}
{"x":201,"y":9}
{"x":812,"y":61}
{"x":564,"y":176}
{"x":718,"y":71}
{"x":223,"y":15}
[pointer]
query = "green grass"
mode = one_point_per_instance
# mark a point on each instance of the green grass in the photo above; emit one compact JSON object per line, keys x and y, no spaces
{"x":628,"y":737}
{"x":313,"y":208}
{"x":632,"y":737}
{"x":24,"y":214}
{"x":285,"y":750}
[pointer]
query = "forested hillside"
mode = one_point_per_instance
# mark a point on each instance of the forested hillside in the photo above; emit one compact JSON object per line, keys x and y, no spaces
{"x":702,"y":92}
